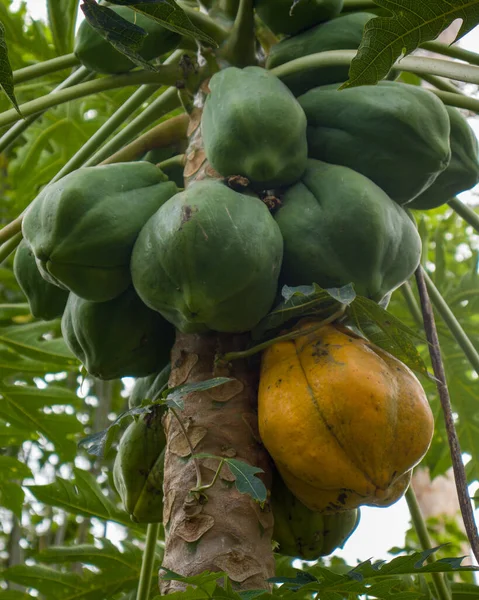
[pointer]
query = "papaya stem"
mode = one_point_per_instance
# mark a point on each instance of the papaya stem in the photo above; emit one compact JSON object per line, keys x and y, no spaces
{"x":458,"y":100}
{"x":111,"y":125}
{"x":8,"y":247}
{"x":452,"y":51}
{"x":443,"y":391}
{"x":45,"y":68}
{"x":147,"y":562}
{"x":465,"y":212}
{"x":412,"y":64}
{"x":11,"y":229}
{"x":229,"y":356}
{"x":175,"y":161}
{"x":190,"y":446}
{"x":16,"y":130}
{"x":239,"y":49}
{"x":411,"y":303}
{"x":452,"y":323}
{"x":442,"y":84}
{"x":163,"y":135}
{"x":205,"y":23}
{"x":202,"y":488}
{"x":422,"y":533}
{"x":167,"y":75}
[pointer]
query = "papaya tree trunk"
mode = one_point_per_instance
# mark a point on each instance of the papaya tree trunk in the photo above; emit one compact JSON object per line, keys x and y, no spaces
{"x":226,"y":530}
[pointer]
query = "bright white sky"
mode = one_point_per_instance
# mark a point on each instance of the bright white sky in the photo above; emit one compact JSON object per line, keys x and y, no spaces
{"x":379,"y":529}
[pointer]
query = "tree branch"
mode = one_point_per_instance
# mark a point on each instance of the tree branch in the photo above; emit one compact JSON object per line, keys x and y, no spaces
{"x":454,"y":446}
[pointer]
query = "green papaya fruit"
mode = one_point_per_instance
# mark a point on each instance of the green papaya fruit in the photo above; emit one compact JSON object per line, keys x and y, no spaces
{"x":209,"y":259}
{"x":118,"y":338}
{"x":304,"y":533}
{"x":47,"y":301}
{"x":149,"y":387}
{"x":97,"y":54}
{"x":253,"y":126}
{"x":339,"y":227}
{"x":282,"y":17}
{"x":138,"y":468}
{"x":82,"y":228}
{"x":461,"y":174}
{"x":395,"y":134}
{"x":343,"y":33}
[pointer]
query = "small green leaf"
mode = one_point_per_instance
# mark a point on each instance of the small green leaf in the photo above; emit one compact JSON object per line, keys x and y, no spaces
{"x":412,"y":22}
{"x":170,"y":15}
{"x":246,"y":480}
{"x":124,"y":36}
{"x":6,"y":76}
{"x":304,"y":301}
{"x":12,"y":469}
{"x":388,"y":332}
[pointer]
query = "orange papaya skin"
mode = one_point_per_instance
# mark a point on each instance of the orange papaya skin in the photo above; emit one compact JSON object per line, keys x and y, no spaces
{"x":344,"y":421}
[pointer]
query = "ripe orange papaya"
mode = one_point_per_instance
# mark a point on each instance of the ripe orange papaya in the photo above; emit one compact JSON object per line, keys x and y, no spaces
{"x":344,"y":421}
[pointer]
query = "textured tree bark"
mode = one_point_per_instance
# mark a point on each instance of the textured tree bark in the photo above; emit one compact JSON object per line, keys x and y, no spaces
{"x":228,"y":532}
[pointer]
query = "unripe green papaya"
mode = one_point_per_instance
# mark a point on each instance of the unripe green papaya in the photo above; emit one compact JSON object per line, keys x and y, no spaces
{"x":253,"y":126}
{"x":343,"y":33}
{"x":47,"y":301}
{"x":138,"y":468}
{"x":82,"y":228}
{"x":209,"y":259}
{"x":395,"y":134}
{"x":461,"y":174}
{"x":282,"y":17}
{"x":149,"y":387}
{"x":118,"y":338}
{"x":305,"y":533}
{"x":96,"y":53}
{"x":339,"y":227}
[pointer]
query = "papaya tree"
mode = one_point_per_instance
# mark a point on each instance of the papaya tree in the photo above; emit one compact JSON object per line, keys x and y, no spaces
{"x":239,"y":295}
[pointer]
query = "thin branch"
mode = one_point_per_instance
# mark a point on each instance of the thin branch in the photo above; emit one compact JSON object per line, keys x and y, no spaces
{"x":412,"y":64}
{"x":148,"y":561}
{"x":452,"y":323}
{"x":420,"y":526}
{"x":166,"y":76}
{"x":163,"y":135}
{"x":16,"y":130}
{"x":452,"y":51}
{"x":45,"y":68}
{"x":11,"y":229}
{"x":454,"y":446}
{"x":167,"y":102}
{"x":8,"y":247}
{"x":411,"y":302}
{"x":471,"y":217}
{"x":442,"y":84}
{"x":458,"y":100}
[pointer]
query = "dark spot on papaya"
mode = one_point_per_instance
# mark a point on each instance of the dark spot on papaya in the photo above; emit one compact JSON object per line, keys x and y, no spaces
{"x":342,"y":498}
{"x":186,"y":213}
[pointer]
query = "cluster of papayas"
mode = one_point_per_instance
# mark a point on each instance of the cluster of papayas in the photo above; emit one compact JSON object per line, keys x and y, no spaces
{"x":308,"y":184}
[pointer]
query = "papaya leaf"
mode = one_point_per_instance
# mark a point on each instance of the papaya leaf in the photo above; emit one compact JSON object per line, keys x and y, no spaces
{"x":6,"y":76}
{"x":304,"y":301}
{"x":124,"y":36}
{"x":246,"y":480}
{"x":412,"y":22}
{"x":12,"y":497}
{"x":62,"y":18}
{"x":173,"y":397}
{"x":83,"y":496}
{"x":170,"y":15}
{"x":387,"y":332}
{"x":12,"y":469}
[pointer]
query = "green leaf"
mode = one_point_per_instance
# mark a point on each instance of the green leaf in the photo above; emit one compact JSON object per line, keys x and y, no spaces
{"x":62,"y":18}
{"x":246,"y":481}
{"x":6,"y":77}
{"x":12,"y":469}
{"x":12,"y":498}
{"x":124,"y":36}
{"x":174,"y":396}
{"x":39,"y":341}
{"x":83,"y":496}
{"x":387,"y":332}
{"x":171,"y":16}
{"x":460,"y":591}
{"x":50,"y":582}
{"x":304,"y":301}
{"x":412,"y":23}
